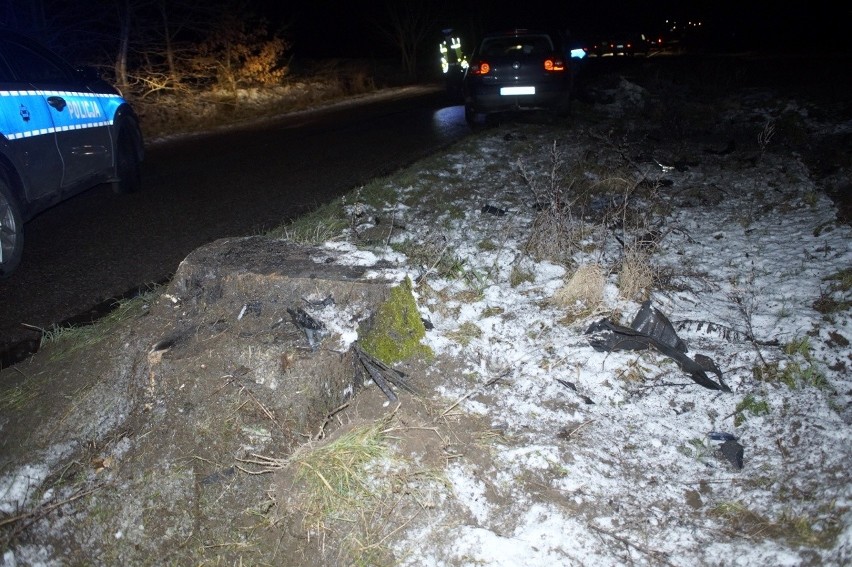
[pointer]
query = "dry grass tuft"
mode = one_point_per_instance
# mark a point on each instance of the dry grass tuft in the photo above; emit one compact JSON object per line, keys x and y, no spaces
{"x":584,"y":291}
{"x":354,"y":491}
{"x":637,"y":275}
{"x":334,"y":475}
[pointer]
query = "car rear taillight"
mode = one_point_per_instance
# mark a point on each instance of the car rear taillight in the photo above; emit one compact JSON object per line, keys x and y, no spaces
{"x":553,"y":64}
{"x":480,"y":68}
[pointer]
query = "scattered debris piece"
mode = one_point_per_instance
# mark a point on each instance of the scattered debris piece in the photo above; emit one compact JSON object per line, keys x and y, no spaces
{"x":569,"y":430}
{"x":314,"y":330}
{"x":652,"y":322}
{"x":731,"y":449}
{"x":382,"y":374}
{"x":733,"y":452}
{"x":646,"y":242}
{"x":712,"y":329}
{"x":492,"y":210}
{"x":721,"y":436}
{"x":253,"y":307}
{"x":571,"y":386}
{"x":665,"y":168}
{"x":319,"y":303}
{"x":174,"y":339}
{"x":219,"y":476}
{"x":732,"y":145}
{"x":652,"y":329}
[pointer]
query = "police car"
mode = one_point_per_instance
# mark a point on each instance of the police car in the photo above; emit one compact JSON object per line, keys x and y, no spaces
{"x":62,"y":130}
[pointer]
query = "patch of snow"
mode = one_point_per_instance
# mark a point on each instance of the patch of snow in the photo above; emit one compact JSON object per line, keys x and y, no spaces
{"x":637,"y":478}
{"x":18,"y":487}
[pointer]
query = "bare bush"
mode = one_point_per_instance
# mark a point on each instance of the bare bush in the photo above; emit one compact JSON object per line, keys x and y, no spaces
{"x":556,"y":234}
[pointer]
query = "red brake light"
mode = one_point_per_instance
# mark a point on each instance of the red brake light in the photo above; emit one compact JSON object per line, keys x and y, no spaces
{"x":554,"y":65}
{"x":480,"y":68}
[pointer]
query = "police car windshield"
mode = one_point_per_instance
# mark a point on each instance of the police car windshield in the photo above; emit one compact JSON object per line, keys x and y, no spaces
{"x":33,"y":67}
{"x":6,"y":74}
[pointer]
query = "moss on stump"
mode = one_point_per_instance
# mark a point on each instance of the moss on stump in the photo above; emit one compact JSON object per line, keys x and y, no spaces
{"x":395,"y":331}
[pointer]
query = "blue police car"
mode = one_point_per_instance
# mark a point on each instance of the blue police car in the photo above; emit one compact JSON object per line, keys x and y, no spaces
{"x":62,"y":130}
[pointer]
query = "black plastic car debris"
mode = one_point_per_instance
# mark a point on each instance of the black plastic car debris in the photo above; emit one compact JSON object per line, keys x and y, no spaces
{"x":572,"y":386}
{"x":651,"y":329}
{"x":382,"y":374}
{"x":733,"y":452}
{"x":492,"y":210}
{"x":314,"y":330}
{"x":721,"y":436}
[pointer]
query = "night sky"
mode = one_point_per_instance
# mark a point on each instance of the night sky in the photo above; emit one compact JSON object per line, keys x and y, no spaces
{"x":352,"y":27}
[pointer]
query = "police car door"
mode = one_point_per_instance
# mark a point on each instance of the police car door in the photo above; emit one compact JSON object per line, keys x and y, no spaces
{"x":27,"y":129}
{"x":79,"y":122}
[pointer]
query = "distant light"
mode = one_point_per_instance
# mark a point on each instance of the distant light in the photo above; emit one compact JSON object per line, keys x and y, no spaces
{"x":578,"y":53}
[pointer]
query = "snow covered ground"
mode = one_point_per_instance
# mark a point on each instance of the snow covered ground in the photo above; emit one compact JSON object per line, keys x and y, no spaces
{"x":613,"y":458}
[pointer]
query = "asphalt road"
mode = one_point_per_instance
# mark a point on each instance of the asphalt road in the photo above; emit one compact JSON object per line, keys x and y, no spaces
{"x":233,"y":182}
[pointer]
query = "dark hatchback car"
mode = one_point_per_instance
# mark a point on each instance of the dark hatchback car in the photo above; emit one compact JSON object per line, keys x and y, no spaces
{"x":62,"y":130}
{"x":517,"y":69}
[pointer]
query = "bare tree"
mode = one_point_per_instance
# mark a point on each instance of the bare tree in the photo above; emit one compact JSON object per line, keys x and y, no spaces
{"x":409,"y":24}
{"x":124,"y":19}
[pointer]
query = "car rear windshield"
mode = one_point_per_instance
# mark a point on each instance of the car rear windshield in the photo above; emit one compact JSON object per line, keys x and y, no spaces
{"x":516,"y":45}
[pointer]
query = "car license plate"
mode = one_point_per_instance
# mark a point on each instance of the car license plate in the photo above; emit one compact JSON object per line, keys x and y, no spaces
{"x":517,"y":90}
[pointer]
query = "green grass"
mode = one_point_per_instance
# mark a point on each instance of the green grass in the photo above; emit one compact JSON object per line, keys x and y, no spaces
{"x":466,"y":332}
{"x":335,"y":475}
{"x":519,"y":276}
{"x":18,"y":397}
{"x":800,"y":370}
{"x":794,"y":529}
{"x":434,"y":256}
{"x":695,"y":448}
{"x":61,"y":341}
{"x":750,"y":406}
{"x":320,"y":225}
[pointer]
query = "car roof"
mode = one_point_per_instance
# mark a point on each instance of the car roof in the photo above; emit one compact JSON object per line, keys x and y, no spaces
{"x":516,"y":31}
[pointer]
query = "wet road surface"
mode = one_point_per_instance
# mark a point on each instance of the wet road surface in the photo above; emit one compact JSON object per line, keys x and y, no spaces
{"x":233,"y":182}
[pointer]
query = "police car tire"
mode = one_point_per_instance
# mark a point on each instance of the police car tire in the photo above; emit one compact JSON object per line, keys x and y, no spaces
{"x":11,"y":230}
{"x":127,"y":163}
